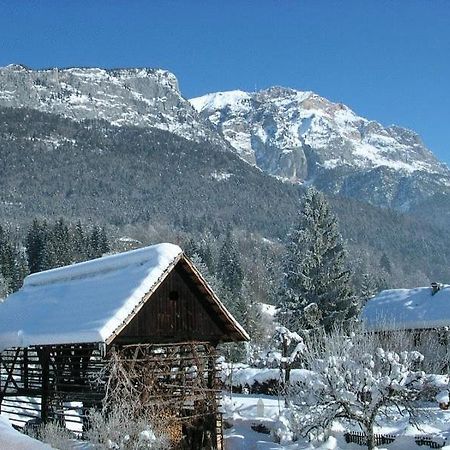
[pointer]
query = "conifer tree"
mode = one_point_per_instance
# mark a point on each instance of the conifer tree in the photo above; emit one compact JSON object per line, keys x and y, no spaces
{"x":104,"y":246}
{"x":4,"y":288}
{"x":80,"y":245}
{"x":12,"y":265}
{"x":247,"y":311}
{"x":215,"y":284}
{"x":368,"y":288}
{"x":316,"y":287}
{"x":229,"y":268}
{"x":35,"y":241}
{"x":49,"y":246}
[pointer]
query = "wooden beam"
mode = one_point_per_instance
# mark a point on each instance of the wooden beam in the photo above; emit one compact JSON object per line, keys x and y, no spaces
{"x":44,"y":359}
{"x":9,"y":373}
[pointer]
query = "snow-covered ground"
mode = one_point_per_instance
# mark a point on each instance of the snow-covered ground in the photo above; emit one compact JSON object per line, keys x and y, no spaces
{"x":241,"y":413}
{"x":11,"y":439}
{"x":246,"y":413}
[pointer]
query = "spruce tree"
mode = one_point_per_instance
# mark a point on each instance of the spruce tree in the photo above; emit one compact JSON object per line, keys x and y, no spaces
{"x":215,"y":284}
{"x":95,"y":243}
{"x":13,"y":268}
{"x":35,"y":242}
{"x":4,"y":288}
{"x":316,"y":287}
{"x":229,"y":268}
{"x":368,"y":288}
{"x":79,"y":242}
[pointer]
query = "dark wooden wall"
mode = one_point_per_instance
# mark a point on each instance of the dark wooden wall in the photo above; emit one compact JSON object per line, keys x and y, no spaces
{"x":176,"y":312}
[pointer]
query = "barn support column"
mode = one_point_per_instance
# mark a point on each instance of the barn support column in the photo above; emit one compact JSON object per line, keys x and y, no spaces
{"x":9,"y":375}
{"x":25,"y":368}
{"x":44,"y":359}
{"x":1,"y":387}
{"x":215,"y":417}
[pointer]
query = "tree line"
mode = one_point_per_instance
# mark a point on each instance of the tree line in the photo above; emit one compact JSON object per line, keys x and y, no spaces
{"x":47,"y":245}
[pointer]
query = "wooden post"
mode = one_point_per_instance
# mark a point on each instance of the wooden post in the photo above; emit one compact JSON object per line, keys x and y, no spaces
{"x":1,"y":390}
{"x":44,"y":359}
{"x":25,"y":368}
{"x":214,"y":417}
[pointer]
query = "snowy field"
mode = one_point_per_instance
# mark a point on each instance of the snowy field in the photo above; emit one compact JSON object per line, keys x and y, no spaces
{"x":241,"y":414}
{"x":245,"y":413}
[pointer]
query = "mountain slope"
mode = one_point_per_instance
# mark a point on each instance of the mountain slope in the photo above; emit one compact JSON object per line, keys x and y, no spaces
{"x":155,"y":186}
{"x":302,"y":137}
{"x":297,"y":136}
{"x":124,"y":148}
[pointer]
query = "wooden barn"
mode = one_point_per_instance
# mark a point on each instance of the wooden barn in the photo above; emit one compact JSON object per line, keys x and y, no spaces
{"x":149,"y":311}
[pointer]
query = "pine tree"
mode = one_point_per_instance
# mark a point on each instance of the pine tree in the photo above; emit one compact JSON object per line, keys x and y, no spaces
{"x":215,"y":284}
{"x":95,"y":244}
{"x":79,"y":243}
{"x":35,"y":241}
{"x":385,"y":263}
{"x":229,"y":268}
{"x":368,"y":288}
{"x":61,"y":244}
{"x":104,"y":246}
{"x":4,"y":288}
{"x":315,"y":274}
{"x":49,"y":246}
{"x":13,"y":268}
{"x":248,"y":312}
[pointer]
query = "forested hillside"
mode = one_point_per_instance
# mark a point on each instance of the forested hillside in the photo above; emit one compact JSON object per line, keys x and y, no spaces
{"x":153,"y":186}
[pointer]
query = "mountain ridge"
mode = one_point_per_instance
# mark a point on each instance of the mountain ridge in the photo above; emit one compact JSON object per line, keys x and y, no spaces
{"x":300,"y":136}
{"x":125,"y":96}
{"x":296,"y":136}
{"x":152,"y":185}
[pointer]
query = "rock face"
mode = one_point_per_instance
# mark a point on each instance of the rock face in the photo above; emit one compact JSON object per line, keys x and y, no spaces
{"x":302,"y":137}
{"x":297,"y":136}
{"x":123,"y":97}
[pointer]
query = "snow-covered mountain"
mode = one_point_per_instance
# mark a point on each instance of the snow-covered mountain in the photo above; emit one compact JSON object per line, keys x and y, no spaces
{"x":300,"y":136}
{"x":136,"y":97}
{"x":293,"y":135}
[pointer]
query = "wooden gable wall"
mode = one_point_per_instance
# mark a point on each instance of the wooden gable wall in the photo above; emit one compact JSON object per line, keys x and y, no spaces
{"x":176,"y":312}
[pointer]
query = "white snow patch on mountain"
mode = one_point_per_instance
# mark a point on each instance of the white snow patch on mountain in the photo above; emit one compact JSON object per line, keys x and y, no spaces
{"x":232,"y":99}
{"x":221,"y":176}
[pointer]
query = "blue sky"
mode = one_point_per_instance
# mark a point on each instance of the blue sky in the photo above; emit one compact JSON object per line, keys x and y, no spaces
{"x":388,"y":60}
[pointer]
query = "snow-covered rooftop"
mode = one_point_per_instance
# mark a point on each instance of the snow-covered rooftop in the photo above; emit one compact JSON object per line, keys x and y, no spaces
{"x":85,"y":302}
{"x":417,"y":308}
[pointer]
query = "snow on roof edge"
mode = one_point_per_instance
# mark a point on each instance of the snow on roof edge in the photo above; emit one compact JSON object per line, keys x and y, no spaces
{"x":95,"y":266}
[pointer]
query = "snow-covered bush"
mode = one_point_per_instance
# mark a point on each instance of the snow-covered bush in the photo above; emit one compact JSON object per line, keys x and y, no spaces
{"x":119,"y":430}
{"x":53,"y":434}
{"x":355,"y":382}
{"x":433,"y":344}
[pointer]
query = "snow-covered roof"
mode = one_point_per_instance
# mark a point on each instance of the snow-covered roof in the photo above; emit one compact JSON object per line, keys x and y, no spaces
{"x":85,"y":302}
{"x":397,"y":309}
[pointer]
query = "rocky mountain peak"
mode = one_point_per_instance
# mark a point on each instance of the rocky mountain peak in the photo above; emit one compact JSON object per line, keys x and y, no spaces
{"x":300,"y":136}
{"x":127,"y":96}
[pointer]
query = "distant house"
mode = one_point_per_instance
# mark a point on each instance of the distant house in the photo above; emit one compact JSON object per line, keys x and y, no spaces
{"x":150,"y":306}
{"x":416,"y":318}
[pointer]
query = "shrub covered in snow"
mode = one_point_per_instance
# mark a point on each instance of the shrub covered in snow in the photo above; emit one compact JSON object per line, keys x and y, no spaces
{"x":119,"y":431}
{"x":355,"y":382}
{"x":53,"y":434}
